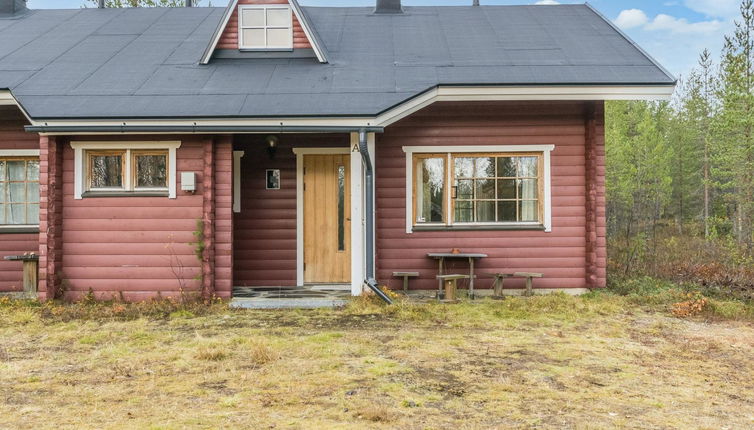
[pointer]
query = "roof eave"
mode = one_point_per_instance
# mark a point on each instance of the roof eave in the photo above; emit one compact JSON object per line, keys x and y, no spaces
{"x":345,"y":123}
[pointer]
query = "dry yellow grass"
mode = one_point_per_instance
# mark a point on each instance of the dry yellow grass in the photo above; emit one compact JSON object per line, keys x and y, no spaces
{"x":540,"y":363}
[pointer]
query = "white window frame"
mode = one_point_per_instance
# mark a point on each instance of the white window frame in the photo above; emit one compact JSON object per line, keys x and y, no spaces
{"x":546,"y":177}
{"x":266,"y":46}
{"x":80,"y":160}
{"x":23,"y":153}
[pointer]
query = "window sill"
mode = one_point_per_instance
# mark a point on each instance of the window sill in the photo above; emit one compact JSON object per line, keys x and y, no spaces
{"x":242,"y":49}
{"x":505,"y":227}
{"x":19,"y":229}
{"x":89,"y":194}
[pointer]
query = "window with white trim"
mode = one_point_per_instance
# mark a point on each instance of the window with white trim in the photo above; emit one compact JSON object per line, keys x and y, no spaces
{"x":19,"y":191}
{"x":127,"y":168}
{"x":467,"y":189}
{"x":265,"y":27}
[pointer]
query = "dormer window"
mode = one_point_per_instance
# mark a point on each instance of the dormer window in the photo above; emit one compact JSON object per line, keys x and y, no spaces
{"x":265,"y":27}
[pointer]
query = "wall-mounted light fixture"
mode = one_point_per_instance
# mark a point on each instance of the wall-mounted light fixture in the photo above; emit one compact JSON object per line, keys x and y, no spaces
{"x":272,"y":145}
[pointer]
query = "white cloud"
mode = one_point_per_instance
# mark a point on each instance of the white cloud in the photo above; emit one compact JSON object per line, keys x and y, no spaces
{"x":631,"y":18}
{"x":716,"y":8}
{"x":634,"y":18}
{"x":682,"y":25}
{"x":546,"y":2}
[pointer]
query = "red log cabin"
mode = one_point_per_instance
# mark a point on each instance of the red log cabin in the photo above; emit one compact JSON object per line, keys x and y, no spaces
{"x":147,"y":152}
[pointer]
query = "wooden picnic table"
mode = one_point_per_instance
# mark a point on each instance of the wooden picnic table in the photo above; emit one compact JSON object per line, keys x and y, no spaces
{"x":441,"y":256}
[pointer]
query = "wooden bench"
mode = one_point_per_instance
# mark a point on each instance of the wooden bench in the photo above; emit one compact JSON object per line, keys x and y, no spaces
{"x":406,"y":276}
{"x":450,"y":282}
{"x":501,"y":277}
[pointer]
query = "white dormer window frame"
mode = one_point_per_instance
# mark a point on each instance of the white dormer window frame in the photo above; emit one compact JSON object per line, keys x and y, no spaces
{"x":265,"y":27}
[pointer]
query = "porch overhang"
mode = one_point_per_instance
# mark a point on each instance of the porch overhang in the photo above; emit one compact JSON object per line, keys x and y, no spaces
{"x":130,"y":128}
{"x":357,"y":122}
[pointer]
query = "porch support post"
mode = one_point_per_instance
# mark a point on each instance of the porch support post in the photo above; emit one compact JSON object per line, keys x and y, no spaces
{"x":50,"y":216}
{"x":223,"y":207}
{"x":208,"y":220}
{"x":357,"y":218}
{"x":591,"y":194}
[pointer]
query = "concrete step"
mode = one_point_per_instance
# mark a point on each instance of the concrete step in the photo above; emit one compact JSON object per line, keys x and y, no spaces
{"x":287,"y":303}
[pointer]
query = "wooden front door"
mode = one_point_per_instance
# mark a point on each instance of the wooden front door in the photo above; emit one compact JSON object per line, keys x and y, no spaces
{"x":327,"y":219}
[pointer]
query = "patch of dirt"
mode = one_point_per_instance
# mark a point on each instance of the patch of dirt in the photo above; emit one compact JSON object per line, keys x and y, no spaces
{"x":218,"y":387}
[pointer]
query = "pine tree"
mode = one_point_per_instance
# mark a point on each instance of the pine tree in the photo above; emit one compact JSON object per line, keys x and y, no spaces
{"x":695,"y":113}
{"x":734,"y":127}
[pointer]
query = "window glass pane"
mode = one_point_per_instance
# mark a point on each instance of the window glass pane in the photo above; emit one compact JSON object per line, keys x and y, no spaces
{"x":278,"y":17}
{"x":341,"y":208}
{"x":17,"y":170}
{"x":32,"y":214}
{"x":3,"y":176}
{"x":3,"y":208}
{"x":151,"y":171}
{"x":252,"y":17}
{"x":529,"y":211}
{"x":106,"y":171}
{"x":485,"y":188}
{"x":17,"y":214}
{"x":32,"y":170}
{"x":253,"y":38}
{"x":527,"y":188}
{"x":32,"y":192}
{"x":281,"y":37}
{"x":17,"y":192}
{"x":506,"y":168}
{"x":465,"y":189}
{"x":464,"y":211}
{"x":430,"y":190}
{"x":485,"y":167}
{"x":464,"y":167}
{"x":506,"y":211}
{"x":506,"y":188}
{"x":485,"y":211}
{"x":3,"y":192}
{"x":527,"y":167}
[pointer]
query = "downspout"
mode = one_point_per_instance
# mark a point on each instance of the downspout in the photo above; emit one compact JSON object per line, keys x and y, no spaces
{"x":370,"y":281}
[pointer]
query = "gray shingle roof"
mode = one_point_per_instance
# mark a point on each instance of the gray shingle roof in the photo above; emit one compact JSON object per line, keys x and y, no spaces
{"x":143,"y":63}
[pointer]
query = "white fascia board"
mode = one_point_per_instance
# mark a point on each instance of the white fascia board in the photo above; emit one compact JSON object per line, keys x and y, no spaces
{"x":439,"y":94}
{"x":219,"y":32}
{"x":308,"y":31}
{"x":6,"y":98}
{"x":524,"y":93}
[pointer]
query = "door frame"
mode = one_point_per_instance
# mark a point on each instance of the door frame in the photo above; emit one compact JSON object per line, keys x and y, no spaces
{"x":357,"y":225}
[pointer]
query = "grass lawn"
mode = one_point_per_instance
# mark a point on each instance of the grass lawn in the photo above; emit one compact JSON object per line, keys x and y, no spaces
{"x":600,"y":361}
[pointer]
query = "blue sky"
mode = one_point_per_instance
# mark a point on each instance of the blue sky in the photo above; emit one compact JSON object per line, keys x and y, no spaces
{"x":673,"y":31}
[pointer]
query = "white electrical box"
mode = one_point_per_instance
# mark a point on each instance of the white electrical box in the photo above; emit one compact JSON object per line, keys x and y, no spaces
{"x":188,"y":181}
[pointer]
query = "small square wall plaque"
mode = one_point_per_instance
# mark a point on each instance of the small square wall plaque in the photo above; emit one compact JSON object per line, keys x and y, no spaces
{"x":273,"y":179}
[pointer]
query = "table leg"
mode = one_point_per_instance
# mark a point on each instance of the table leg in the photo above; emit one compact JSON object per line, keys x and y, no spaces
{"x":471,"y":280}
{"x":439,"y":272}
